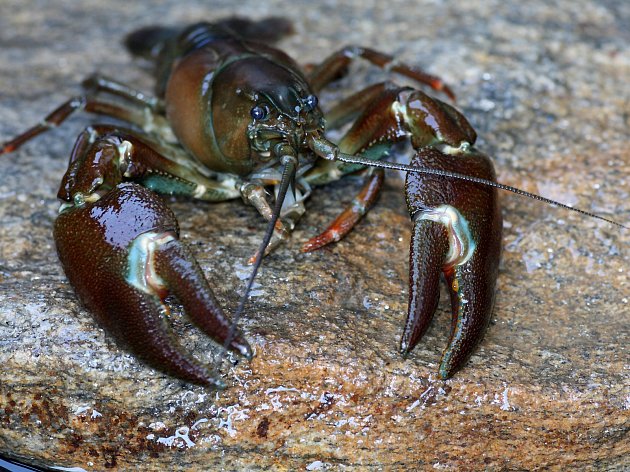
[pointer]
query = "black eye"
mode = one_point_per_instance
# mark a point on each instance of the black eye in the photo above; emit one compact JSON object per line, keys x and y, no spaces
{"x":259,"y":112}
{"x":310,"y":102}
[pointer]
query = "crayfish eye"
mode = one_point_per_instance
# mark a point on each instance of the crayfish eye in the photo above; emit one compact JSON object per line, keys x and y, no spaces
{"x":259,"y":112}
{"x":310,"y":103}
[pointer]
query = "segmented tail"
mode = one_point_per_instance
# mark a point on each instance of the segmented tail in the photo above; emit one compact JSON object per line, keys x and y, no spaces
{"x":268,"y":30}
{"x":150,"y":41}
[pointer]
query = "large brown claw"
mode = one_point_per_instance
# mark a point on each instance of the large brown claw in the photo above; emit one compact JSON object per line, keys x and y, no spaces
{"x":457,"y":232}
{"x":123,"y":257}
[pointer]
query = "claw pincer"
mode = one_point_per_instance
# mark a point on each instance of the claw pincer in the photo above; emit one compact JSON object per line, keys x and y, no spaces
{"x":122,"y":255}
{"x":457,"y":232}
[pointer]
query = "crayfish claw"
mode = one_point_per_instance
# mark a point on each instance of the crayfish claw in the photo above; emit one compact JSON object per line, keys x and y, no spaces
{"x":443,"y":242}
{"x":457,"y":232}
{"x":123,"y":257}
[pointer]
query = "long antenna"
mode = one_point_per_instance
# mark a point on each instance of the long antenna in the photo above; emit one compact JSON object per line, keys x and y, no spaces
{"x":290,"y":162}
{"x":329,"y":151}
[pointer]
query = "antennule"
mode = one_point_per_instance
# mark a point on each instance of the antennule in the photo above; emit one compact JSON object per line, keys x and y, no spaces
{"x":324,"y":148}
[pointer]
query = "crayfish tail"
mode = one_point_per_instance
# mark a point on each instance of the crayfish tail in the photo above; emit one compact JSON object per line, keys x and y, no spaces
{"x":147,"y":42}
{"x":268,"y":30}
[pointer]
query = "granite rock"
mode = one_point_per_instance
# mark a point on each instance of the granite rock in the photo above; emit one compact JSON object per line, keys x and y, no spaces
{"x":546,"y":87}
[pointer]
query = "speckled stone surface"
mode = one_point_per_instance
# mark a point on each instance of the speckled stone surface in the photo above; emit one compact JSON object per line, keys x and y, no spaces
{"x":547,"y":89}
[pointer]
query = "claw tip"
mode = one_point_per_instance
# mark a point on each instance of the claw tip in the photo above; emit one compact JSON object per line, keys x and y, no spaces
{"x":447,"y":369}
{"x":247,"y":352}
{"x":6,"y":149}
{"x":404,"y":349}
{"x":444,"y":374}
{"x":309,"y":246}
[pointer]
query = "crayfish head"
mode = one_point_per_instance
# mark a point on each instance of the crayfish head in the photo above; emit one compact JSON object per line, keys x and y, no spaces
{"x":265,"y":104}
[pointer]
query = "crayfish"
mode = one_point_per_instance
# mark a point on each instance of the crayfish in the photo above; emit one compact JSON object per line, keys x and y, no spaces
{"x":231,"y":117}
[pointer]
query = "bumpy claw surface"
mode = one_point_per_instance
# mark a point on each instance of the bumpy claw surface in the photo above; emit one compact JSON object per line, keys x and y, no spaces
{"x":123,"y":257}
{"x":457,"y":232}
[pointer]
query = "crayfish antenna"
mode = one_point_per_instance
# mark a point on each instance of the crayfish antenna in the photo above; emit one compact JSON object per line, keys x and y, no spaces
{"x":288,"y":158}
{"x":328,"y":150}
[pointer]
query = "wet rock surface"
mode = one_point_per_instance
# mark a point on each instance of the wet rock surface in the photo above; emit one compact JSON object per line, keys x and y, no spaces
{"x":546,"y":89}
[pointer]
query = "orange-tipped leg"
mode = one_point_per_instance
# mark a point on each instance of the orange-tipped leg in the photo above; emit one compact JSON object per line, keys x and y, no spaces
{"x":351,"y":215}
